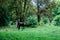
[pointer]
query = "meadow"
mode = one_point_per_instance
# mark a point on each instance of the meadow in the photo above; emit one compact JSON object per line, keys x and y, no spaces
{"x":45,"y":32}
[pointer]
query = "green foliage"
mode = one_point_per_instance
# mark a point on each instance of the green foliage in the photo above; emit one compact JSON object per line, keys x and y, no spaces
{"x":16,"y":9}
{"x":10,"y":9}
{"x":4,"y":18}
{"x":56,"y":11}
{"x":56,"y":20}
{"x":32,"y":20}
{"x":45,"y":20}
{"x":7,"y":19}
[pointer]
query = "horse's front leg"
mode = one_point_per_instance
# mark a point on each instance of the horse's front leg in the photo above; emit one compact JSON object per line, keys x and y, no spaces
{"x":18,"y":26}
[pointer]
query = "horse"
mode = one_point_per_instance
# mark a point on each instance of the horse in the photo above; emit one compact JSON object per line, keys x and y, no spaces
{"x":22,"y":24}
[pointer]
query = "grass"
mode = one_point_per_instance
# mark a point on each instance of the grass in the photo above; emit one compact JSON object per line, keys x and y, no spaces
{"x":39,"y":33}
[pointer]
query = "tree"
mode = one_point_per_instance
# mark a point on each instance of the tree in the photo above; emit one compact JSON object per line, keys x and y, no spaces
{"x":38,"y":8}
{"x":44,"y":8}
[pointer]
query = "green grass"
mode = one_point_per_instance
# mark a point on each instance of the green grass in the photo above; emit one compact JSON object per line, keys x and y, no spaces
{"x":40,"y":33}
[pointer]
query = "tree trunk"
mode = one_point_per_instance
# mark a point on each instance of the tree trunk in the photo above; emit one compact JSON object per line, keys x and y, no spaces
{"x":38,"y":12}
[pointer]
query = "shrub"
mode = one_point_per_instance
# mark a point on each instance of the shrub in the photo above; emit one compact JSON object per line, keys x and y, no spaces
{"x":44,"y":20}
{"x":31,"y":20}
{"x":56,"y":20}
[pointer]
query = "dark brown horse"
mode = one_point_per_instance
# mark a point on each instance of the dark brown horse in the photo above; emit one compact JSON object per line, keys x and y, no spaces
{"x":22,"y":24}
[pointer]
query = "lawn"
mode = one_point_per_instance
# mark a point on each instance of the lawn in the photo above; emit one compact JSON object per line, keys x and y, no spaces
{"x":39,"y":33}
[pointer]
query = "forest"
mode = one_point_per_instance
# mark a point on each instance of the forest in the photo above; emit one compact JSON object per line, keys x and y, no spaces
{"x":29,"y":19}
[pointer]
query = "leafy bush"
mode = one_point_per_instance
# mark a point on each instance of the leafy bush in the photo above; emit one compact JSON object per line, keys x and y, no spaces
{"x":44,"y":20}
{"x":31,"y":20}
{"x":56,"y":20}
{"x":56,"y":11}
